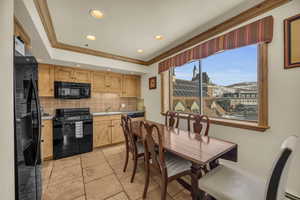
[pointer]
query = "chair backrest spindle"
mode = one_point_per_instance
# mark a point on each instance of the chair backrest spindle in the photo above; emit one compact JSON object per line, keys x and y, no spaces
{"x":126,"y":124}
{"x":156,"y":155}
{"x":277,"y":182}
{"x":172,"y":119}
{"x":198,"y":121}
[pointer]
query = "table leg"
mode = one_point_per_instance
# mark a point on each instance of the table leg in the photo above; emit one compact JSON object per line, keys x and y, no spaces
{"x":214,"y":164}
{"x":195,"y":175}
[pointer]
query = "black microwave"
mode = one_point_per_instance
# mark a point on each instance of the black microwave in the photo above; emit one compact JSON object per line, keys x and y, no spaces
{"x":65,"y":90}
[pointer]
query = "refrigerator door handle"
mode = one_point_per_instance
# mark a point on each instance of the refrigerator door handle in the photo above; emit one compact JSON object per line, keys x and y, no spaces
{"x":39,"y":119}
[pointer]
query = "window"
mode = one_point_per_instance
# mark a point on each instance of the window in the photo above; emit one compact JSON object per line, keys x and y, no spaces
{"x":186,"y":88}
{"x":224,"y":86}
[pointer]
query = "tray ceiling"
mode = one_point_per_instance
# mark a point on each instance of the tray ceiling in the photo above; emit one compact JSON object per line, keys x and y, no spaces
{"x":129,"y":25}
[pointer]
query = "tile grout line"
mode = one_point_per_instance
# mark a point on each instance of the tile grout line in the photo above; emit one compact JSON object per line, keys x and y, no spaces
{"x":130,"y":183}
{"x":44,"y":192}
{"x":167,"y":190}
{"x":53,"y":166}
{"x":116,"y":176}
{"x":153,"y":188}
{"x":83,"y":180}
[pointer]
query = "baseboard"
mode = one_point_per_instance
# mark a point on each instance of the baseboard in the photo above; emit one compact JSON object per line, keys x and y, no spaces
{"x":292,"y":197}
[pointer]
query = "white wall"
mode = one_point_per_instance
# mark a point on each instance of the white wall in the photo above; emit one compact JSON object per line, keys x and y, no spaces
{"x":258,"y":149}
{"x":6,"y":102}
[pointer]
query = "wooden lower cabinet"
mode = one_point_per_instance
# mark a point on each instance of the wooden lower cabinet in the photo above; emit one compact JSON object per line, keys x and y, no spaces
{"x":117,"y":132}
{"x":102,"y":133}
{"x":47,"y":140}
{"x":107,"y":130}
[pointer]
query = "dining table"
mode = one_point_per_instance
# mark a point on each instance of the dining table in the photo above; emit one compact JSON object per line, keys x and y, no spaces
{"x":200,"y":150}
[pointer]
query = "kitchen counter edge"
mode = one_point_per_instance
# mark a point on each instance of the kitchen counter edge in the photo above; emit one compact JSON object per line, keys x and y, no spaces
{"x":100,"y":114}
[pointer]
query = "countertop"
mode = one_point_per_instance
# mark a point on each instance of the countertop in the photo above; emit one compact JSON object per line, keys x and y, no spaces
{"x":50,"y":117}
{"x":115,"y":113}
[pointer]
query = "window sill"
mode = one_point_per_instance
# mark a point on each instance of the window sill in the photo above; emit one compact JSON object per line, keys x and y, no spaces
{"x":233,"y":123}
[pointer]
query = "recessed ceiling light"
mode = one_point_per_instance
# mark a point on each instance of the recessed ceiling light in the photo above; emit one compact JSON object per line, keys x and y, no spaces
{"x":96,"y":14}
{"x":140,"y":50}
{"x":91,"y":37}
{"x":159,"y":37}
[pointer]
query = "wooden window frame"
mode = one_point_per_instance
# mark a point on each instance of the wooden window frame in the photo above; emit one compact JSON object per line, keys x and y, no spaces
{"x":262,"y":79}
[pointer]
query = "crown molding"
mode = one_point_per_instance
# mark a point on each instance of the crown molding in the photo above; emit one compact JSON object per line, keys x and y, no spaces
{"x":252,"y":12}
{"x":44,"y":13}
{"x":20,"y":31}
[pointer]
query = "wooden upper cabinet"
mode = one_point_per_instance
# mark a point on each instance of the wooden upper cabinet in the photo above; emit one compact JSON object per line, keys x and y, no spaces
{"x":68,"y":74}
{"x":102,"y":82}
{"x":131,"y":86}
{"x":114,"y":82}
{"x":46,"y":80}
{"x":20,"y":32}
{"x":99,"y":82}
{"x":82,"y":76}
{"x":64,"y":74}
{"x":107,"y":82}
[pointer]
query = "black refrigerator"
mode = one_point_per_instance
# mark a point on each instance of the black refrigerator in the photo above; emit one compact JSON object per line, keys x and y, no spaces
{"x":28,"y":182}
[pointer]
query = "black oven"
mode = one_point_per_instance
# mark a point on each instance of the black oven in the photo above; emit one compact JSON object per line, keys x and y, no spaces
{"x":72,"y":132}
{"x":66,"y":90}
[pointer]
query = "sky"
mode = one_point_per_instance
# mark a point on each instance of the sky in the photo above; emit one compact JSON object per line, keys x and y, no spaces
{"x":226,"y":68}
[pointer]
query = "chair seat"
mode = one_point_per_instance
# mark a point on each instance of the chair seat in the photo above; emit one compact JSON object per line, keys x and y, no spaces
{"x":140,"y":147}
{"x":226,"y":183}
{"x":175,"y":164}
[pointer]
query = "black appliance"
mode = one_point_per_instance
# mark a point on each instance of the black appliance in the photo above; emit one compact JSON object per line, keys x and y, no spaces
{"x":66,"y":90}
{"x":136,"y":114}
{"x":72,"y":132}
{"x":27,"y":120}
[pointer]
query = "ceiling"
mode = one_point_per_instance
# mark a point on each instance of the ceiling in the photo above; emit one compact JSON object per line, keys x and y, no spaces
{"x":129,"y":25}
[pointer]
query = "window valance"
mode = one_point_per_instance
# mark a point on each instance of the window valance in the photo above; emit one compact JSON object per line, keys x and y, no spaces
{"x":256,"y":32}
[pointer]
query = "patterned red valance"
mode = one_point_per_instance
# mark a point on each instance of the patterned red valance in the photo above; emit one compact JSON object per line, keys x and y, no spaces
{"x":256,"y":32}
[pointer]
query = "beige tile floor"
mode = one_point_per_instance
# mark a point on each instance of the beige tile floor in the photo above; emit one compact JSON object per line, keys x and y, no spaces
{"x":98,"y":175}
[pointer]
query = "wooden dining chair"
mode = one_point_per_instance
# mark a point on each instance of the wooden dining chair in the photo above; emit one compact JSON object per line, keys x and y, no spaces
{"x":136,"y":148}
{"x":172,"y":119}
{"x":198,"y":122}
{"x":167,"y":165}
{"x":231,"y":183}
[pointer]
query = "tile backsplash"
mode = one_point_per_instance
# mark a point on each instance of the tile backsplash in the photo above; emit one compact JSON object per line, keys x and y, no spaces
{"x":97,"y":103}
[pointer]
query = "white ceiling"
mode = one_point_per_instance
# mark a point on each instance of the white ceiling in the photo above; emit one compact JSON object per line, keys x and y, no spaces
{"x":129,"y":25}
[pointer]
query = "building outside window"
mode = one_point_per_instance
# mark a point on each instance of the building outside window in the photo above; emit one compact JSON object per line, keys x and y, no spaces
{"x":223,"y":85}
